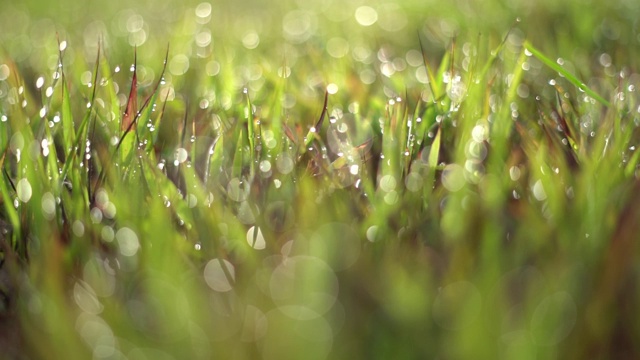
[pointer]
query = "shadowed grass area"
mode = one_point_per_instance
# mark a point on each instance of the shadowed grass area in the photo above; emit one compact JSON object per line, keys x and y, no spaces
{"x":319,"y":180}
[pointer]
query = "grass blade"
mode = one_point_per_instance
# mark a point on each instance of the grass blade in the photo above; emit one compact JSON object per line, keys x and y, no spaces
{"x":567,"y":75}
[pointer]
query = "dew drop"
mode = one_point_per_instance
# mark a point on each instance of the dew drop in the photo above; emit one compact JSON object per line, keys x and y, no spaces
{"x":24,"y":190}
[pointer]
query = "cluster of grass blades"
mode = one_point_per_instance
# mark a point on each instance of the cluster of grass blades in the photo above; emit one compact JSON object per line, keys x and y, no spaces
{"x":469,"y":218}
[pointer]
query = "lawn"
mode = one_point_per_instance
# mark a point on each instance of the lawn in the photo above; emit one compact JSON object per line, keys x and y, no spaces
{"x":319,"y":179}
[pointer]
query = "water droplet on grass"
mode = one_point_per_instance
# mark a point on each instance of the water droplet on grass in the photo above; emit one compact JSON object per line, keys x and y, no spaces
{"x":180,"y":155}
{"x":538,"y":191}
{"x":265,"y":166}
{"x":514,"y":173}
{"x":24,"y":190}
{"x":372,"y":233}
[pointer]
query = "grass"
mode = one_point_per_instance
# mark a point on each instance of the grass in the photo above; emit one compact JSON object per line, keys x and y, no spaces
{"x":330,"y":180}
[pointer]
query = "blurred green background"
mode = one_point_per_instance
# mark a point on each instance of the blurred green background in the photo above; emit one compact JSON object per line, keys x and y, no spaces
{"x":486,"y":265}
{"x":562,"y":27}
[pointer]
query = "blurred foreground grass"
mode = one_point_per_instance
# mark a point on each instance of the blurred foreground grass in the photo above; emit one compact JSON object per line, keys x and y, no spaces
{"x":319,"y":179}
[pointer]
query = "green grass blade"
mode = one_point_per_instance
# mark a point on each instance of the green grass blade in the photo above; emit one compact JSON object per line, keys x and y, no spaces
{"x":68,"y":128}
{"x":567,"y":75}
{"x":434,"y":153}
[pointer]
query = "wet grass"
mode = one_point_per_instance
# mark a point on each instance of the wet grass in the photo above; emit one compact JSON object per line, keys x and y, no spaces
{"x":300,"y":186}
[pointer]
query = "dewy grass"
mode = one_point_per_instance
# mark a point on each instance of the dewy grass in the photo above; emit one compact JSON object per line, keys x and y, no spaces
{"x":319,"y":182}
{"x":563,"y":72}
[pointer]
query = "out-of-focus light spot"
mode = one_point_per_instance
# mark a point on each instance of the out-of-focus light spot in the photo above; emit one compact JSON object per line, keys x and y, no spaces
{"x":181,"y":155}
{"x":4,"y":72}
{"x":414,"y":182}
{"x":453,"y":177}
{"x":203,"y":10}
{"x":251,"y":40}
{"x":107,"y":234}
{"x":372,"y":233}
{"x":414,"y":58}
{"x":316,"y":297}
{"x":203,"y":38}
{"x":332,"y":88}
{"x":255,"y":324}
{"x":86,"y":298}
{"x":553,"y":319}
{"x":337,"y":47}
{"x":216,"y":276}
{"x":77,"y":228}
{"x":48,"y":204}
{"x":366,"y":15}
{"x":23,"y":190}
{"x":237,"y":190}
{"x":137,"y":38}
{"x":538,"y":191}
{"x":127,"y":241}
{"x":255,"y":239}
{"x":514,"y":173}
{"x":299,"y":25}
{"x":192,"y":201}
{"x":265,"y":166}
{"x":388,"y":183}
{"x":179,"y":64}
{"x":284,"y":163}
{"x":392,"y":18}
{"x":213,"y":68}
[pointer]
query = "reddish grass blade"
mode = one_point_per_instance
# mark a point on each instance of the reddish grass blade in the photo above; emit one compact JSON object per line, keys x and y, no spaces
{"x":132,"y":102}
